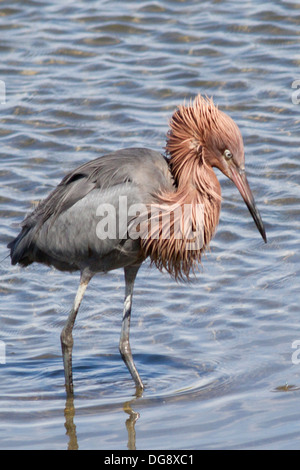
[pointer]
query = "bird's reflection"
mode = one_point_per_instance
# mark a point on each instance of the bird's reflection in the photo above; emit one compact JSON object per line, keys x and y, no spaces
{"x":70,"y":425}
{"x":130,"y":424}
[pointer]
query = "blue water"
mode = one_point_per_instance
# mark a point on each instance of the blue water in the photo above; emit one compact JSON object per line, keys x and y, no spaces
{"x":86,"y":78}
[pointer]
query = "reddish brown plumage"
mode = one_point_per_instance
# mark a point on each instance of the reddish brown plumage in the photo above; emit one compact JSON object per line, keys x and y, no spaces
{"x":193,"y":131}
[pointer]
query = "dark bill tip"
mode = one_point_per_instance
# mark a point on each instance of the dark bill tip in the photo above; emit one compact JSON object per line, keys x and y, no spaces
{"x":240,"y":180}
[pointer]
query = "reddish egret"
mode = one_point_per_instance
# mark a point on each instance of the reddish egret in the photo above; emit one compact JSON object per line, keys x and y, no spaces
{"x":63,"y":230}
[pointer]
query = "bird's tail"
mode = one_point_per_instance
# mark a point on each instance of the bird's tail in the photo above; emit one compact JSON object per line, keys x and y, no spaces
{"x":19,"y":247}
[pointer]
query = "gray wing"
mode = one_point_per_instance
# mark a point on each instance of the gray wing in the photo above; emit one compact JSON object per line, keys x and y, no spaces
{"x":62,"y":229}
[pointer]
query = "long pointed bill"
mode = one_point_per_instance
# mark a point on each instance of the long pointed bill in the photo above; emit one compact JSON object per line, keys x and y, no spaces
{"x":240,"y":180}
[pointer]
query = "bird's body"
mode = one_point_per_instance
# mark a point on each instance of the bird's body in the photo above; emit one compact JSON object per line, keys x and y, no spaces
{"x":63,"y":231}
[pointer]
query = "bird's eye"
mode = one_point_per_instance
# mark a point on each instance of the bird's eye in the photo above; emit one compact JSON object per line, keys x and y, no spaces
{"x":227,"y":154}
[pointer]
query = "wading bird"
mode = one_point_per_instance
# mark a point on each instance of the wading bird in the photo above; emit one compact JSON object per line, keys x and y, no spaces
{"x":63,"y":232}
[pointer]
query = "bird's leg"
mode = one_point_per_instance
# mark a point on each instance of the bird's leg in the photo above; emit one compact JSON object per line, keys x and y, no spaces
{"x":124,"y":346}
{"x":66,"y":335}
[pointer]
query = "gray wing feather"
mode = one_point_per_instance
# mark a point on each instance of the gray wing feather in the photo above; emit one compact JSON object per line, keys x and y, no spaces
{"x":62,"y":228}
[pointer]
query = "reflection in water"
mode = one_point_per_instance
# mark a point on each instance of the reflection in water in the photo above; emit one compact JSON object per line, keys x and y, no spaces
{"x":70,"y":425}
{"x":133,"y":417}
{"x":130,"y":424}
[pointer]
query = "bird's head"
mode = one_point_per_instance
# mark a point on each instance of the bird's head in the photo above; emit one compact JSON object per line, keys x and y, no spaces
{"x":216,"y":140}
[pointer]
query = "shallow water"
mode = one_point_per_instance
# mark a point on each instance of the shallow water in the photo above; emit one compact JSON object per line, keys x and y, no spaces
{"x":86,"y":78}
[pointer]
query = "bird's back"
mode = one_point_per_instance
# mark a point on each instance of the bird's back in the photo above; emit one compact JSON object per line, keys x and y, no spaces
{"x":62,"y":230}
